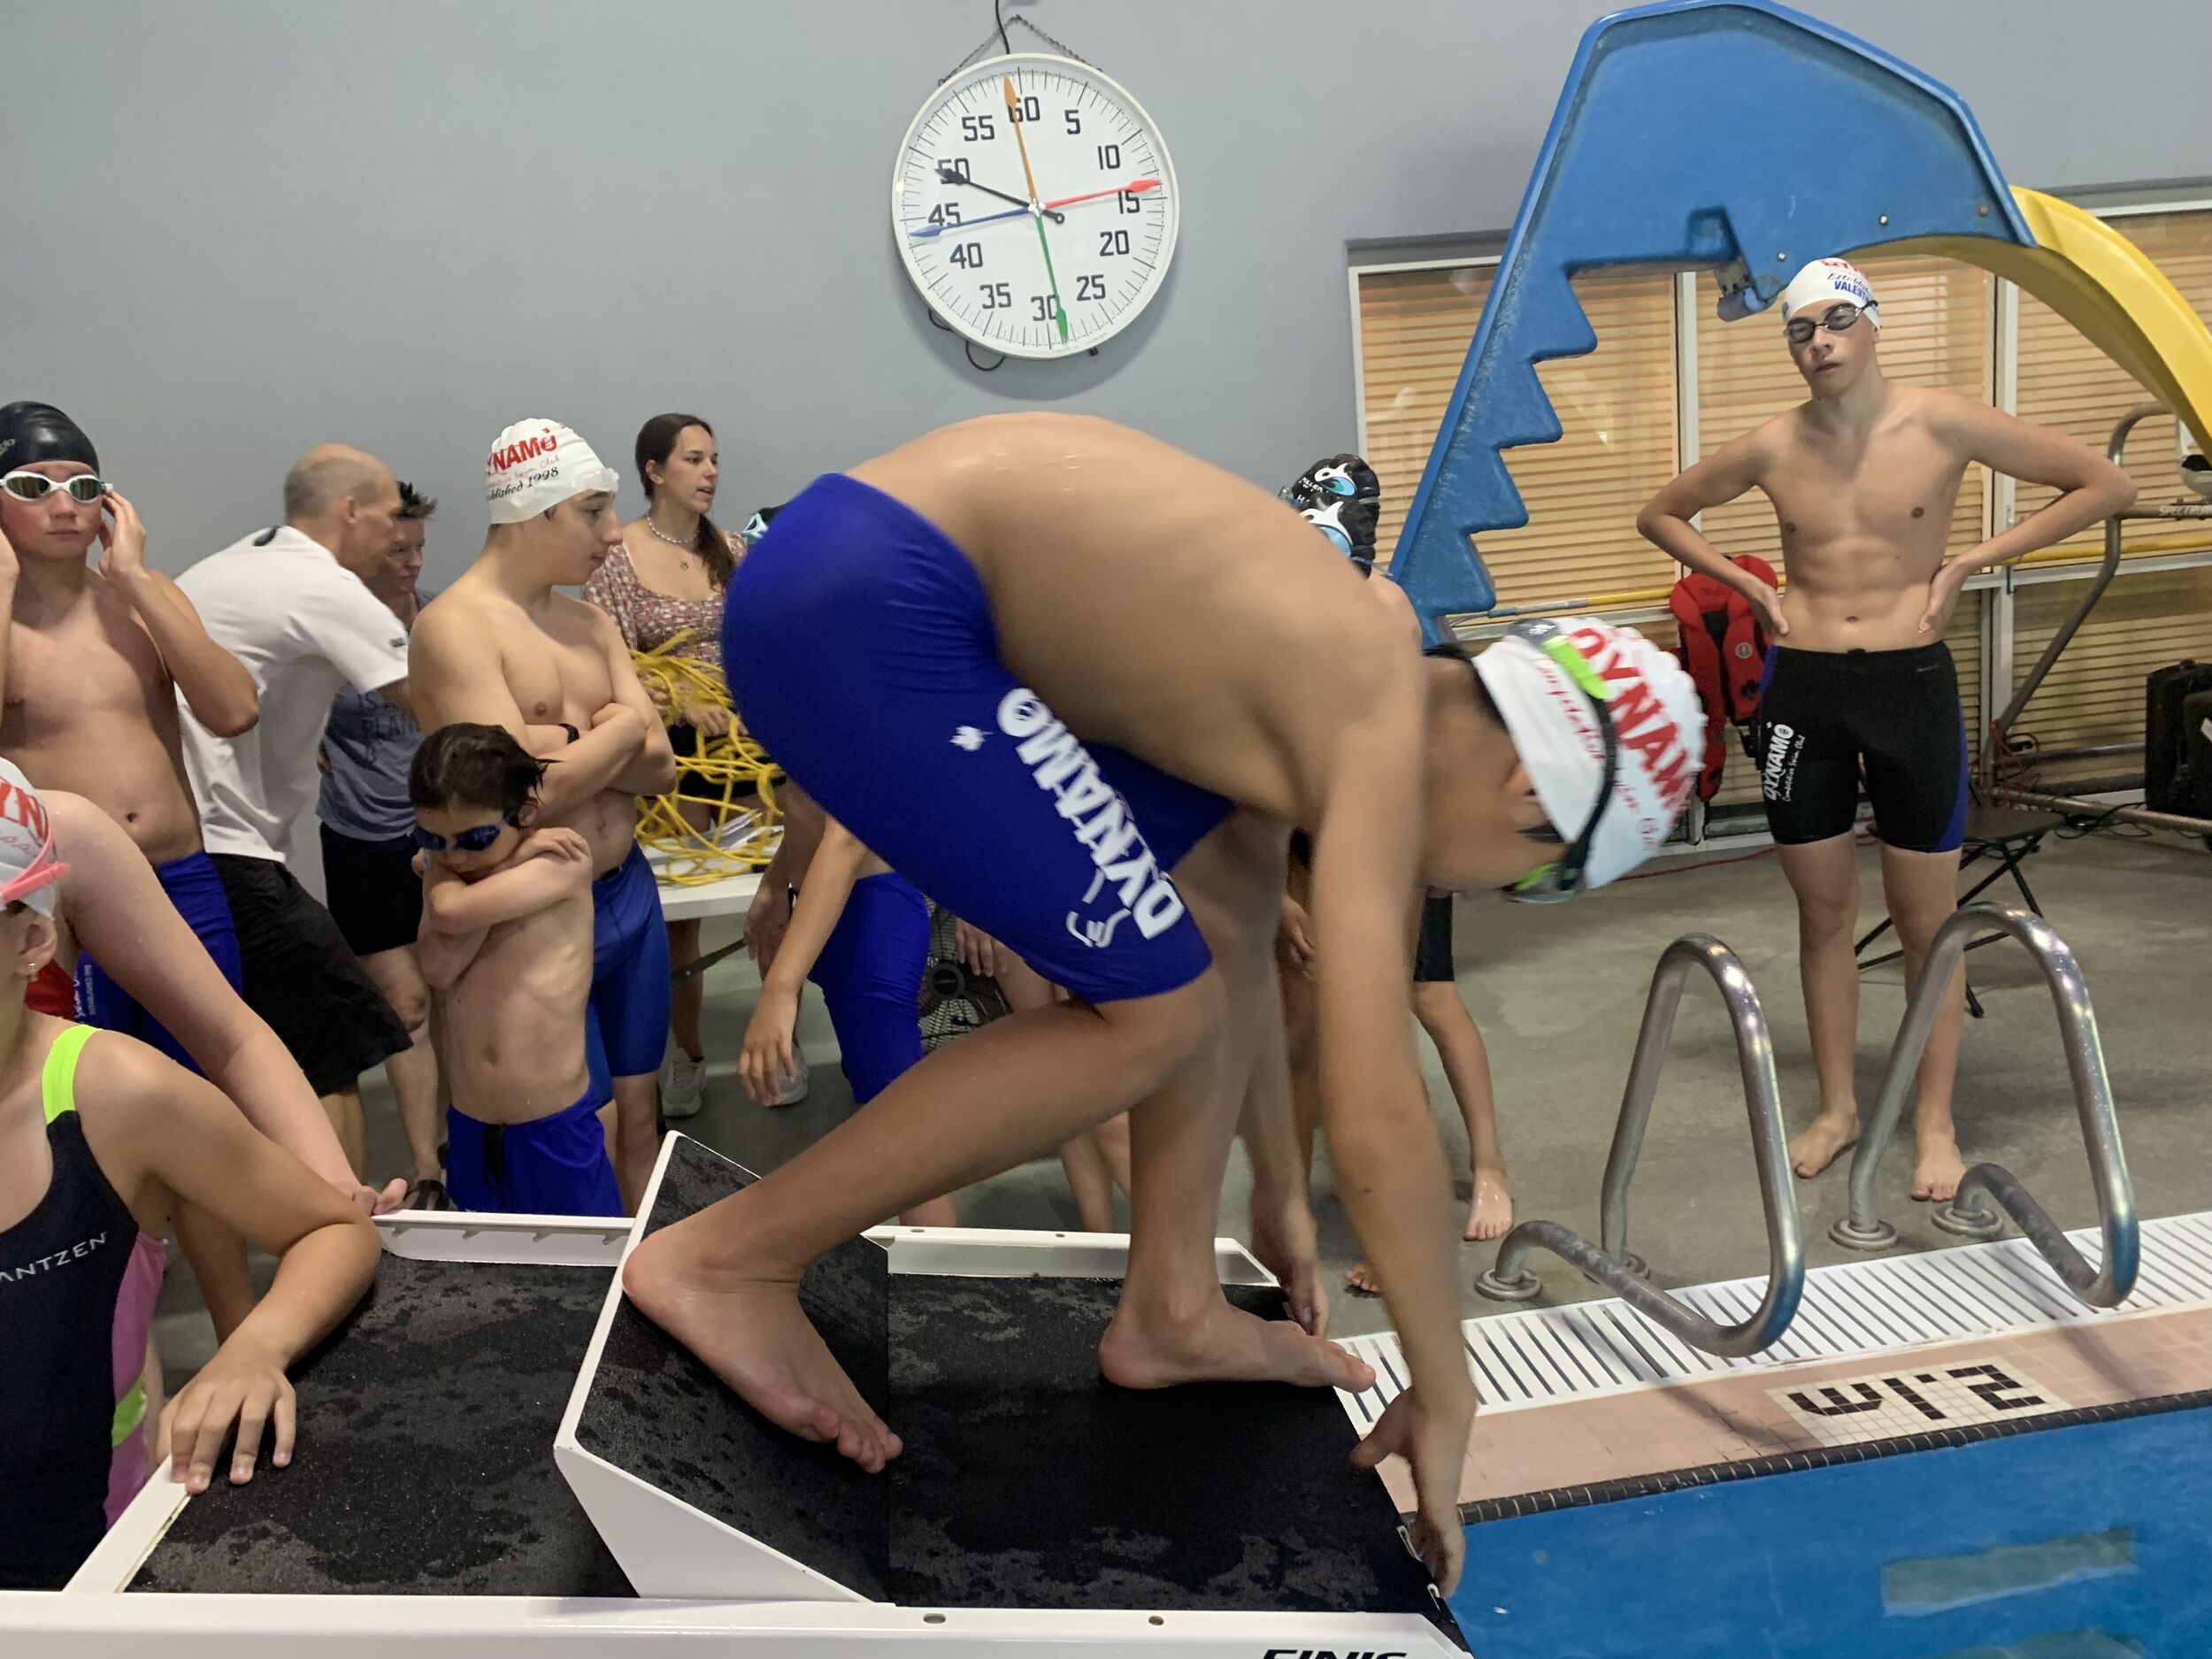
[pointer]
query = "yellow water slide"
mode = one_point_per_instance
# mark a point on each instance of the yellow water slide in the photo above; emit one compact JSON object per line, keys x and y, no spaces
{"x":2103,"y":284}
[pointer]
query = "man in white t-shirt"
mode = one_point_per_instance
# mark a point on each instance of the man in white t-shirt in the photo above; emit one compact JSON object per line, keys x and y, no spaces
{"x":291,"y":604}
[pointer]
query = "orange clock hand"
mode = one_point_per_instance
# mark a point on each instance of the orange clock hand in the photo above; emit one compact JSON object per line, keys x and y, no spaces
{"x":1014,"y":119}
{"x":1052,"y":282}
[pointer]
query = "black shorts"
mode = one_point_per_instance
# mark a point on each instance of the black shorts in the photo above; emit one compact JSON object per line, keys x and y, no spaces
{"x":1824,"y":715}
{"x":302,"y":978}
{"x":374,"y":893}
{"x":1432,"y":956}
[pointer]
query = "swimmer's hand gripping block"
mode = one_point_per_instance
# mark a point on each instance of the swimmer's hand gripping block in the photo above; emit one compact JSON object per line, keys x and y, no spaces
{"x":1733,"y":135}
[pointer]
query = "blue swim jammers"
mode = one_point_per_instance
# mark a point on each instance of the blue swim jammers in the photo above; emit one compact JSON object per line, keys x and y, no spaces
{"x":861,"y":652}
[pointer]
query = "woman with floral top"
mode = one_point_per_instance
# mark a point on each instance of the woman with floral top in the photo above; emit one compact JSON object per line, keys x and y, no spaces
{"x":665,"y":580}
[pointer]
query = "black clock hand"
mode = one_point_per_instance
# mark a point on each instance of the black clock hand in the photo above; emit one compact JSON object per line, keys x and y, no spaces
{"x":946,"y":175}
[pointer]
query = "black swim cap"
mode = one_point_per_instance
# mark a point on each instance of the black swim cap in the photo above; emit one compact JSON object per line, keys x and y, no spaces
{"x":31,"y":433}
{"x":1340,"y":497}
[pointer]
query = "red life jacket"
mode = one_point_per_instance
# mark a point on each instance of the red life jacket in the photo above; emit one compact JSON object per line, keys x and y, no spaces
{"x":1725,"y":651}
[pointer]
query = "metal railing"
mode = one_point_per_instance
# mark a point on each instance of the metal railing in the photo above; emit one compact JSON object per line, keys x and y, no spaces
{"x":2000,"y":728}
{"x":1863,"y":1229}
{"x":1610,"y":1264}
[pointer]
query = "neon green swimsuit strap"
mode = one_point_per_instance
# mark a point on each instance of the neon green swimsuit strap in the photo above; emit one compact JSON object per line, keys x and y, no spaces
{"x":130,"y":1411}
{"x":58,"y":1082}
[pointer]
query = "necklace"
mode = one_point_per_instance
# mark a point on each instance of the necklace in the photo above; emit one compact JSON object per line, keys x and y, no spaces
{"x":681,"y":564}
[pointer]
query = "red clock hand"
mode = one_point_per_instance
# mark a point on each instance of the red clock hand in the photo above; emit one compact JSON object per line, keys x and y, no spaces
{"x":1134,"y":188}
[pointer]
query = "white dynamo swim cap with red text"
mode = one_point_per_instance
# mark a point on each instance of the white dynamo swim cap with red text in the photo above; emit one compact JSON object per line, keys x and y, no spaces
{"x":1657,"y":721}
{"x":537,"y":465}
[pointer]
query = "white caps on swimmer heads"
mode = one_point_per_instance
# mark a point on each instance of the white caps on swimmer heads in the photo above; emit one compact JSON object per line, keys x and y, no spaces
{"x":1831,"y":280}
{"x":1657,"y":721}
{"x":537,"y":465}
{"x":28,"y":870}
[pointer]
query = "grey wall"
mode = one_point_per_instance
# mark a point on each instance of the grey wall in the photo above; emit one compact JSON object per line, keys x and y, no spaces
{"x":233,"y":227}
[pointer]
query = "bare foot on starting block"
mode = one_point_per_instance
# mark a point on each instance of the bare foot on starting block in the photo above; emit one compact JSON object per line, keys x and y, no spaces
{"x":751,"y":1334}
{"x":1223,"y":1344}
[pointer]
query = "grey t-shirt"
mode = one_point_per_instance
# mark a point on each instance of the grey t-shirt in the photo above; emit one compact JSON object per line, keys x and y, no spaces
{"x":371,"y":743}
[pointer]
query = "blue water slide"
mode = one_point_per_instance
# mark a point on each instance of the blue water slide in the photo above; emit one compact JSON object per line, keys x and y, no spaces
{"x":1732,"y":135}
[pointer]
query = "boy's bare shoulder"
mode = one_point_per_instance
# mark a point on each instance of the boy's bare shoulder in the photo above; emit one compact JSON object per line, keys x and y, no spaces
{"x":458,"y":608}
{"x":1774,"y":437}
{"x":1948,"y":415}
{"x":568,"y":608}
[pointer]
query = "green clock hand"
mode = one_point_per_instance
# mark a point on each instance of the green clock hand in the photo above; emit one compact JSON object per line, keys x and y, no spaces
{"x":1013,"y":116}
{"x":1059,"y":311}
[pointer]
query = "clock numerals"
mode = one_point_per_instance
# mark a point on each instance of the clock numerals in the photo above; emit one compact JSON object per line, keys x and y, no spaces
{"x":1046,"y":239}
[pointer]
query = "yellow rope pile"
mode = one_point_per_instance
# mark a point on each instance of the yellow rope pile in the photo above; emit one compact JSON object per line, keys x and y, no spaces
{"x":742,"y":827}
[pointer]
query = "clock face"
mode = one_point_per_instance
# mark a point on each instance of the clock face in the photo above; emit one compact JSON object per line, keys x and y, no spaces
{"x":1034,"y":205}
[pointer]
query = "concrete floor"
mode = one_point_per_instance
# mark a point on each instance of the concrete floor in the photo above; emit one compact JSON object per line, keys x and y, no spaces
{"x":1558,"y":992}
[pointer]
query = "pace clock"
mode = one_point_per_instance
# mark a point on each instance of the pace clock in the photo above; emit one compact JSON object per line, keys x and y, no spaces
{"x":1034,"y":205}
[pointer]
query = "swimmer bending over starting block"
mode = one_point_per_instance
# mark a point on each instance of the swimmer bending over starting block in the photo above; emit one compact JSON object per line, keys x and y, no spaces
{"x":1080,"y":686}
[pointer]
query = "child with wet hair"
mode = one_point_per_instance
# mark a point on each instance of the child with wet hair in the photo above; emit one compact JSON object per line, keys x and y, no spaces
{"x":506,"y":948}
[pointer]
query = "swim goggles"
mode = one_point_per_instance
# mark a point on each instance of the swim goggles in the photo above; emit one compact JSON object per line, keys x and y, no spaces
{"x":1839,"y":319}
{"x":467,"y":841}
{"x":1563,"y":876}
{"x":27,"y":486}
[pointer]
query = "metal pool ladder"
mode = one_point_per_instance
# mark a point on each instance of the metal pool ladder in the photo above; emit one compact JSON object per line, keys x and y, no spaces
{"x":1610,"y":1264}
{"x":1863,"y":1229}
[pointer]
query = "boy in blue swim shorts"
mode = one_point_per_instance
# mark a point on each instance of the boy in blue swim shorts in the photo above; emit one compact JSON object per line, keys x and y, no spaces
{"x":102,"y":651}
{"x":501,"y":647}
{"x":506,"y":948}
{"x":97,"y":655}
{"x":1078,"y":687}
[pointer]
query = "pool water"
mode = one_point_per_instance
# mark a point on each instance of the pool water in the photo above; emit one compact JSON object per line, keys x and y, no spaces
{"x":2091,"y":1540}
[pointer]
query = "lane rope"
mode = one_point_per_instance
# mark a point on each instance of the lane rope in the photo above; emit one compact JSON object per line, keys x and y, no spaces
{"x":731,"y":776}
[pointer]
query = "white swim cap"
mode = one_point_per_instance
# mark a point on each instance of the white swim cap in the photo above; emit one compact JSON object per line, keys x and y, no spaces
{"x":28,"y":870}
{"x":537,"y":465}
{"x":1542,"y":677}
{"x":1831,"y":280}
